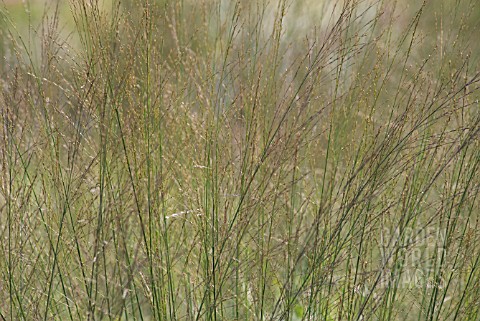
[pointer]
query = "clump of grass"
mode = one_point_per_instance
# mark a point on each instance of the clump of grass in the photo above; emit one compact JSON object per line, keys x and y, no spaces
{"x":183,"y":160}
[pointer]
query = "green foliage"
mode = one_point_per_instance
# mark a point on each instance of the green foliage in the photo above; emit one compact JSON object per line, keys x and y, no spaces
{"x":248,"y":160}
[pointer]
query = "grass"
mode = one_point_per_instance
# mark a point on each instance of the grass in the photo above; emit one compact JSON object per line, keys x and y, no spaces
{"x":250,"y":160}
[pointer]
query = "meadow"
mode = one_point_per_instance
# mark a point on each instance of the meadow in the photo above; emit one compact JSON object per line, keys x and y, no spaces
{"x":239,"y":160}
